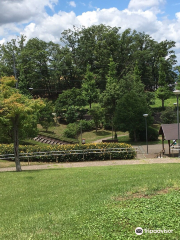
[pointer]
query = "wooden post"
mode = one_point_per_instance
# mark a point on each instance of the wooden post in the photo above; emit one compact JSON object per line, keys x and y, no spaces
{"x":163,"y":142}
{"x":169,"y":148}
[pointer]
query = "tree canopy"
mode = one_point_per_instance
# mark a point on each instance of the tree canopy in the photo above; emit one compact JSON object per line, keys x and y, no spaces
{"x":50,"y":68}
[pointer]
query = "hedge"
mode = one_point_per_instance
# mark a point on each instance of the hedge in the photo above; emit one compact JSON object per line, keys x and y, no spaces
{"x":129,"y":153}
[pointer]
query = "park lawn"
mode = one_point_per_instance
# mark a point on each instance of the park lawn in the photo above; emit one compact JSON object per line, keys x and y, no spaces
{"x":89,"y":137}
{"x":56,"y":130}
{"x":93,"y":136}
{"x":126,"y":139}
{"x":91,"y":202}
{"x":167,"y":103}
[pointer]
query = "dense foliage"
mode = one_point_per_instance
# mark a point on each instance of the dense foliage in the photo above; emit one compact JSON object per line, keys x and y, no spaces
{"x":49,"y":68}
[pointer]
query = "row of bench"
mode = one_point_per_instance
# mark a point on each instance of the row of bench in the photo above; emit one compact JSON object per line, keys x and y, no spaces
{"x":47,"y":140}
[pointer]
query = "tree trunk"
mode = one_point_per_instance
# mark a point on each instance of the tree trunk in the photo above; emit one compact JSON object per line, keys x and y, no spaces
{"x":16,"y":145}
{"x":115,"y":134}
{"x":135,"y":137}
{"x":162,"y":103}
{"x":90,"y":103}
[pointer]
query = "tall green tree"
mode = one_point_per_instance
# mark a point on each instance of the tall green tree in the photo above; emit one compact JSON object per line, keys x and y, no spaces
{"x":35,"y":68}
{"x":111,"y":94}
{"x":89,"y":87}
{"x":10,"y":56}
{"x":163,"y":92}
{"x":69,"y":103}
{"x":97,"y":114}
{"x":46,"y":118}
{"x":129,"y":113}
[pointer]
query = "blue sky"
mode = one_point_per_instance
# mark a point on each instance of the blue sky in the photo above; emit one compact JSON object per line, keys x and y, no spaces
{"x":169,"y":7}
{"x":46,"y":19}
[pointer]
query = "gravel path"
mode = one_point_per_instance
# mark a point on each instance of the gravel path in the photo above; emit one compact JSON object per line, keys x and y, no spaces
{"x":94,"y":164}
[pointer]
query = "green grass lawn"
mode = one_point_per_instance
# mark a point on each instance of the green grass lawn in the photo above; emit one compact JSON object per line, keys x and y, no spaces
{"x":126,"y":139}
{"x":90,"y":136}
{"x":100,"y":134}
{"x":167,"y":103}
{"x":57,"y":130}
{"x":91,"y":203}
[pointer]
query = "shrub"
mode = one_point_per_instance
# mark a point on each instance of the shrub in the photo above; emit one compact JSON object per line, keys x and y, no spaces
{"x":87,"y":125}
{"x":71,"y":114}
{"x":74,"y":129}
{"x":150,"y":97}
{"x":168,"y":116}
{"x":141,"y":134}
{"x":128,"y":153}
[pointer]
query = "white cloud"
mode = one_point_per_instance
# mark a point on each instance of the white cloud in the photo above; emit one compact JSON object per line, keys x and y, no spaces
{"x":178,"y":16}
{"x":50,"y":28}
{"x":134,"y":19}
{"x":144,"y":4}
{"x":20,"y":11}
{"x":72,"y":4}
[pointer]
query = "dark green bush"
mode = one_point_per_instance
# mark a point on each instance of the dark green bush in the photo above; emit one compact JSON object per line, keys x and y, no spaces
{"x":72,"y":130}
{"x":152,"y":134}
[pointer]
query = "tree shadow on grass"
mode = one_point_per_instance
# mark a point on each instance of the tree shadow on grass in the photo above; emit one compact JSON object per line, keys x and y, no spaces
{"x":102,"y":133}
{"x":49,"y":132}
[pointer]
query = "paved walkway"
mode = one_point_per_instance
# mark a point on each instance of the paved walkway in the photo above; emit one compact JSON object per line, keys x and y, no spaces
{"x":153,"y":150}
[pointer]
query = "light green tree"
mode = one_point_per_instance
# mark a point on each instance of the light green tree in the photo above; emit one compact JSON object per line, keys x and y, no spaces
{"x":89,"y":88}
{"x":17,"y":112}
{"x":97,"y":114}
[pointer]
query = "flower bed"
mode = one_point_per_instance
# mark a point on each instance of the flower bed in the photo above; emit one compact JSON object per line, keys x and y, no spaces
{"x":127,"y":153}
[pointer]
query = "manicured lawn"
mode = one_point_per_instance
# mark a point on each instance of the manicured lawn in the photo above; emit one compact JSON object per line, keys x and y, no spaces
{"x":91,"y":203}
